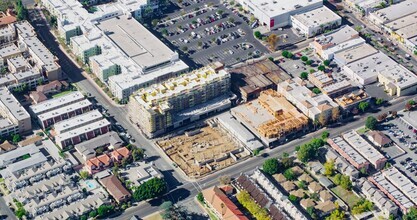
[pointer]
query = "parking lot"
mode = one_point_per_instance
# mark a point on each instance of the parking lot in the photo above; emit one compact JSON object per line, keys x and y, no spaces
{"x":406,"y":139}
{"x":210,"y":32}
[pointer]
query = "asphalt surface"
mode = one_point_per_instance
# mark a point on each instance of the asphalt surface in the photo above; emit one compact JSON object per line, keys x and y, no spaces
{"x":181,"y":189}
{"x":213,"y":52}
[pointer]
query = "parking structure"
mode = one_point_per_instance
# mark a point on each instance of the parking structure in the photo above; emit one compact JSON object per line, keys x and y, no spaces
{"x":210,"y":32}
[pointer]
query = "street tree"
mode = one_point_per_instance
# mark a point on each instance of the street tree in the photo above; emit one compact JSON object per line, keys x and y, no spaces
{"x":225,"y":180}
{"x":379,"y":101}
{"x":152,"y":188}
{"x":304,"y":58}
{"x":323,"y":119}
{"x":371,"y":123}
{"x":271,"y":166}
{"x":154,"y":22}
{"x":257,"y":34}
{"x":304,"y":75}
{"x":335,"y":114}
{"x":363,"y":106}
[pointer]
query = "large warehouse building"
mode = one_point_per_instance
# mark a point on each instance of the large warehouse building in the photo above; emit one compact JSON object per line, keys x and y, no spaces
{"x":275,"y":14}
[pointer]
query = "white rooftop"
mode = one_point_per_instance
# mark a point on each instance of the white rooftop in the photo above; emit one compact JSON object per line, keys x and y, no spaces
{"x":82,"y":130}
{"x":273,"y":8}
{"x":349,"y":150}
{"x":363,"y":147}
{"x":396,"y":11}
{"x":10,"y":104}
{"x":77,"y":121}
{"x":338,"y":36}
{"x":65,"y":109}
{"x":317,"y":17}
{"x":55,"y":103}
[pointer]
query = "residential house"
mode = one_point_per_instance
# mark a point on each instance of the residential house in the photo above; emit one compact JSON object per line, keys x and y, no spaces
{"x":115,"y":188}
{"x":379,"y":139}
{"x":221,"y":205}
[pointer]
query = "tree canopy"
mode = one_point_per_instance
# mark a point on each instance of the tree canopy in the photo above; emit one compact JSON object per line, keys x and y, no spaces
{"x":371,"y":123}
{"x":411,"y":214}
{"x":150,"y":189}
{"x":271,"y":166}
{"x":308,"y":151}
{"x":246,"y":200}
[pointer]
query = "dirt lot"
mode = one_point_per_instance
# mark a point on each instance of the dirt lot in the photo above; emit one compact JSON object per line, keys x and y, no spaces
{"x":201,"y":153}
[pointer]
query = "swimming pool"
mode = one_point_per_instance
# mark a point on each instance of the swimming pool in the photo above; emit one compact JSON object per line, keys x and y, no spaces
{"x":91,"y":184}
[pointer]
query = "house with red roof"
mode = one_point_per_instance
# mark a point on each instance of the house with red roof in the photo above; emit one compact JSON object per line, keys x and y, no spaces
{"x":221,"y":205}
{"x":99,"y":163}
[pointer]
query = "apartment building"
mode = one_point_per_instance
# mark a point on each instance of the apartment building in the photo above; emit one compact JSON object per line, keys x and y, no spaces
{"x":276,"y":14}
{"x":7,"y":35}
{"x":309,"y":103}
{"x":341,"y":164}
{"x":57,"y":109}
{"x":178,"y":101}
{"x":271,"y":117}
{"x":77,"y":121}
{"x":316,"y":21}
{"x":365,"y":149}
{"x":328,"y":44}
{"x":14,"y":119}
{"x":110,"y":140}
{"x":373,"y":194}
{"x":82,"y":132}
{"x":44,"y":60}
{"x":328,"y":85}
{"x":115,"y":188}
{"x":7,"y":52}
{"x":348,"y":152}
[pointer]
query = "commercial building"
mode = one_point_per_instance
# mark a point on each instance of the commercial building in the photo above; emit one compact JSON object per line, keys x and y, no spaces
{"x":365,"y":149}
{"x":393,"y":12}
{"x":364,"y":7}
{"x":183,"y":99}
{"x":328,"y":85}
{"x":271,"y":118}
{"x":14,"y":119}
{"x":221,"y":205}
{"x":115,"y":188}
{"x":239,"y":131}
{"x":309,"y":103}
{"x":348,"y":152}
{"x":130,"y":57}
{"x":350,"y":101}
{"x":315,"y":22}
{"x":276,"y":14}
{"x":397,"y":80}
{"x":328,"y":44}
{"x":353,"y":54}
{"x":249,"y":80}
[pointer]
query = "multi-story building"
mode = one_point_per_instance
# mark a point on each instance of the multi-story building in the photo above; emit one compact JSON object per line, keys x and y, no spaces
{"x":44,"y":60}
{"x":85,"y":48}
{"x":14,"y":118}
{"x":350,"y":101}
{"x":276,"y":14}
{"x":54,"y":110}
{"x":77,"y":121}
{"x":7,"y":52}
{"x":104,"y":66}
{"x":328,"y":85}
{"x":186,"y":98}
{"x":348,"y":152}
{"x":7,"y":35}
{"x":271,"y":117}
{"x":393,"y":12}
{"x":309,"y":103}
{"x":365,"y":149}
{"x":316,"y":21}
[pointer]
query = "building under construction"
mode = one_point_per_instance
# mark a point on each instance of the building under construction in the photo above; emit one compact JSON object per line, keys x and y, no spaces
{"x":271,"y":117}
{"x":250,"y":80}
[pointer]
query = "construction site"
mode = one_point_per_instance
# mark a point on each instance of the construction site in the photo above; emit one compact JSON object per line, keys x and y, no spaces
{"x":204,"y":150}
{"x":271,"y":117}
{"x":249,"y":80}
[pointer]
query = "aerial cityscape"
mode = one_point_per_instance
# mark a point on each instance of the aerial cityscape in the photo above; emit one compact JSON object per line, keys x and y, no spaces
{"x":208,"y":109}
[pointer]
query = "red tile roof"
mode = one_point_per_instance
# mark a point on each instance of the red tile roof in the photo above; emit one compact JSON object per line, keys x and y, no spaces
{"x":104,"y":159}
{"x":115,"y":188}
{"x":215,"y":197}
{"x":122,"y":152}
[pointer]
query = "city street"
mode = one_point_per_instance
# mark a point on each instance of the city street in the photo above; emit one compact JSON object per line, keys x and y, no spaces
{"x":181,"y":189}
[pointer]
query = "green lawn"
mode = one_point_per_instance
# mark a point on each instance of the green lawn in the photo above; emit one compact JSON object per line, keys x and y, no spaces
{"x":362,"y":130}
{"x":347,"y":196}
{"x":61,"y":94}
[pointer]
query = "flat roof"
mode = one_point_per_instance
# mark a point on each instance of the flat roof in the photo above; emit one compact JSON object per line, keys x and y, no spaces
{"x":18,"y":152}
{"x":396,"y":11}
{"x":273,"y":8}
{"x":409,"y":31}
{"x":9,"y":50}
{"x":10,"y":104}
{"x":18,"y":62}
{"x":402,"y":22}
{"x":337,"y":36}
{"x":42,"y":53}
{"x":82,"y":130}
{"x":28,"y":74}
{"x":65,"y":109}
{"x":349,"y":150}
{"x":370,"y":66}
{"x":55,"y":103}
{"x":402,"y":182}
{"x":77,"y":121}
{"x":400,"y":76}
{"x":317,"y":17}
{"x":355,"y":53}
{"x":363,"y":147}
{"x":136,"y":41}
{"x":392,"y":190}
{"x":25,"y":29}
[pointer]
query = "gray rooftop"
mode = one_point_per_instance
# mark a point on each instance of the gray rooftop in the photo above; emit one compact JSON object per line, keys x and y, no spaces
{"x":110,"y":138}
{"x":56,"y":103}
{"x":10,"y":104}
{"x":136,"y":41}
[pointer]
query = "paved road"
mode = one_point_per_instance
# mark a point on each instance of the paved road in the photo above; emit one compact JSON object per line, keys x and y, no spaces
{"x":190,"y":189}
{"x":181,"y":190}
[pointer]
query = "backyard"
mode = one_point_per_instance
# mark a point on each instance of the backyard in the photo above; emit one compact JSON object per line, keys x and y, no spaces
{"x":347,"y":196}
